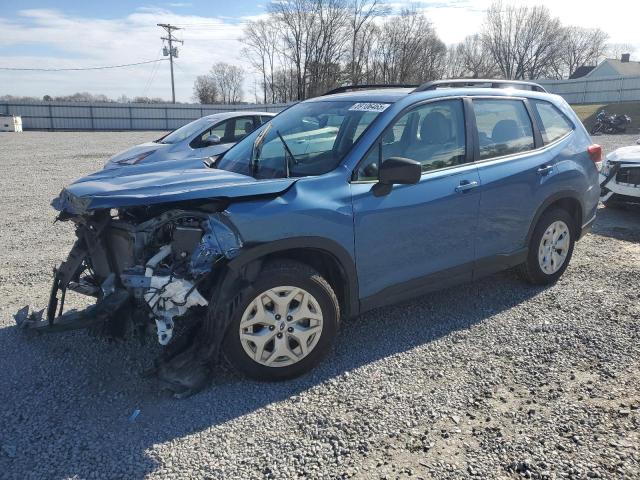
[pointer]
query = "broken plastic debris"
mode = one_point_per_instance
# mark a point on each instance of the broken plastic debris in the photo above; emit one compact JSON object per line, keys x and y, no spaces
{"x":218,"y":240}
{"x":134,"y":415}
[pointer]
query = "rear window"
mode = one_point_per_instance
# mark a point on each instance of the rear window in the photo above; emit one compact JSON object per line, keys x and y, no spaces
{"x":553,"y":123}
{"x":504,"y":127}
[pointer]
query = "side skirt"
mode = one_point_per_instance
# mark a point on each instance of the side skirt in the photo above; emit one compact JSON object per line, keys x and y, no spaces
{"x":440,"y":280}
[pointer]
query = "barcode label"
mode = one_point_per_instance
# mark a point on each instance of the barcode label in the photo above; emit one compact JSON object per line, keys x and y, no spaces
{"x":369,"y":107}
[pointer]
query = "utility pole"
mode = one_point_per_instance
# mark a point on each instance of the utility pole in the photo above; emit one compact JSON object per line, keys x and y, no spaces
{"x":171,"y":52}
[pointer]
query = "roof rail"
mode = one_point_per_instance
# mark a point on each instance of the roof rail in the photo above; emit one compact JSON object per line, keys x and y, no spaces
{"x":480,"y":82}
{"x":349,"y":88}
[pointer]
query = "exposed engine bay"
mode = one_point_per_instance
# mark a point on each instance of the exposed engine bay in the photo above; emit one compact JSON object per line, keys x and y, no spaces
{"x":146,"y":269}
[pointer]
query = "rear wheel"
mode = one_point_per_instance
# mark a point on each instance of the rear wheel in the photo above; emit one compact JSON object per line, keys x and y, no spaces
{"x":284,"y":323}
{"x":550,"y":248}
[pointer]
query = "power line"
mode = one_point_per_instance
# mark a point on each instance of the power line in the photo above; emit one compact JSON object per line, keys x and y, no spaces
{"x":154,"y":70}
{"x":219,"y":25}
{"x":80,"y":68}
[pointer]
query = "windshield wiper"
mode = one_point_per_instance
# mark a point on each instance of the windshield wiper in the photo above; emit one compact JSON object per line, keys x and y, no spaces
{"x":256,"y":150}
{"x":286,"y":161}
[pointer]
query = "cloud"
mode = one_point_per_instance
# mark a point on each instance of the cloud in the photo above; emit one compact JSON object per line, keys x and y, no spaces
{"x":51,"y":38}
{"x":68,"y":41}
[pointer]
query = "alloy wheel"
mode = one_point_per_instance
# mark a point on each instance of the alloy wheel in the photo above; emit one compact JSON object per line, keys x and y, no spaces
{"x":281,"y":326}
{"x":554,"y":247}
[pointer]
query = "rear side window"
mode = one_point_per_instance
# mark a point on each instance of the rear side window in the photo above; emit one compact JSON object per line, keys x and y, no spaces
{"x":504,"y":127}
{"x":553,"y":123}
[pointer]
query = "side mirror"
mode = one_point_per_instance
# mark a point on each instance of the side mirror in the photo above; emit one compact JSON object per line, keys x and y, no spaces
{"x":212,"y":140}
{"x":210,"y":162}
{"x":396,"y":171}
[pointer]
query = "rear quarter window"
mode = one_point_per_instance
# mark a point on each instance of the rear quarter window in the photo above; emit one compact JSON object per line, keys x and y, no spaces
{"x":504,"y":127}
{"x":553,"y":123}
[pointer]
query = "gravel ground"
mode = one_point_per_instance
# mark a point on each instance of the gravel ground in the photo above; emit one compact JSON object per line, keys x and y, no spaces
{"x":493,"y":379}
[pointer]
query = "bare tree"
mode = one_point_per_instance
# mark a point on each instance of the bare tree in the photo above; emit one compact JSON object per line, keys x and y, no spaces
{"x":292,"y":17}
{"x":362,"y":14}
{"x":205,"y":89}
{"x":228,"y":80}
{"x":523,"y":41}
{"x":409,"y":50}
{"x":615,"y":50}
{"x":261,"y":40}
{"x":580,"y":46}
{"x":454,"y":66}
{"x":476,"y":60}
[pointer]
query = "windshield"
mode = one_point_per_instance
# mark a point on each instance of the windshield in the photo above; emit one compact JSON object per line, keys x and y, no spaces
{"x":186,"y":131}
{"x":307,"y":139}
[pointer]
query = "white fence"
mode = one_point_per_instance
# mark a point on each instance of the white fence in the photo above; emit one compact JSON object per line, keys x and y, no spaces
{"x":595,"y":90}
{"x":115,"y":116}
{"x":167,"y":116}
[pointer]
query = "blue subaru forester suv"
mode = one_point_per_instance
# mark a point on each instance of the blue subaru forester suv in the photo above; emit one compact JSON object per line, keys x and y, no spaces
{"x":338,"y":205}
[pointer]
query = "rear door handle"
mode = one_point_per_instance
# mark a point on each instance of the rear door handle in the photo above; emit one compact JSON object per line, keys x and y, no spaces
{"x":545,"y":169}
{"x":466,"y":185}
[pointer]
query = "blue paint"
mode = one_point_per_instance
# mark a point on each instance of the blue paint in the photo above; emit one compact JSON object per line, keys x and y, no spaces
{"x":412,"y":232}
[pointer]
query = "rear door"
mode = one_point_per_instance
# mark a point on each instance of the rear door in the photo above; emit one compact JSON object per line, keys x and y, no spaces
{"x":512,"y":174}
{"x":420,"y":236}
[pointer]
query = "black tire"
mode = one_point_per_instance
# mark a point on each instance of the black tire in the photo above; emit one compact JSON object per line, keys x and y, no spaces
{"x":530,"y":270}
{"x":283,"y":273}
{"x":596,"y":128}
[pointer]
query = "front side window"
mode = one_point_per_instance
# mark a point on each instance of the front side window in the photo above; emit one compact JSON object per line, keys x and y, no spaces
{"x":229,"y":131}
{"x":432,"y":134}
{"x":310,"y":138}
{"x":553,"y":123}
{"x":186,"y":131}
{"x":504,"y":127}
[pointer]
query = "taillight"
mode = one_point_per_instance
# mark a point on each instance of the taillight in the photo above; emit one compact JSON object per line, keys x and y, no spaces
{"x":595,"y":152}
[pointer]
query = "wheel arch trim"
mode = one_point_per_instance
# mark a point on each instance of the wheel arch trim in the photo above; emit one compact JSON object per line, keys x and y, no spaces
{"x":343,"y":259}
{"x":556,"y":197}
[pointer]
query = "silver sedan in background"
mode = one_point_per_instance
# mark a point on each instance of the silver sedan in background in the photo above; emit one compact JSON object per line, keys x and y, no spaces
{"x":191,"y":143}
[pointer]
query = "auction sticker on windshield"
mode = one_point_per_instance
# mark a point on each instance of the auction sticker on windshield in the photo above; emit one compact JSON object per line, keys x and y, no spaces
{"x":369,"y":107}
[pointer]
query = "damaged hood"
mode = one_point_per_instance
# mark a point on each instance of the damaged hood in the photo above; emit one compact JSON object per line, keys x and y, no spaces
{"x":146,"y":185}
{"x":625,"y":154}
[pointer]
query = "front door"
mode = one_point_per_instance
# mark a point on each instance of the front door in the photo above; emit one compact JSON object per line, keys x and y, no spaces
{"x":230,"y":131}
{"x":420,"y":236}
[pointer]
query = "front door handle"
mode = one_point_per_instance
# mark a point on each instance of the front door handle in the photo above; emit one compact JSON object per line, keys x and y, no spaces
{"x":466,"y":185}
{"x":545,"y":170}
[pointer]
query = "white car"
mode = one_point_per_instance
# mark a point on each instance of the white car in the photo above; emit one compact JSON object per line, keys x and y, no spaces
{"x":191,"y":143}
{"x":620,"y":177}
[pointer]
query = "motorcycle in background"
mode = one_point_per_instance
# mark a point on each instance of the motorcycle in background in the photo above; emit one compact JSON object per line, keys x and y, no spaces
{"x":610,"y":123}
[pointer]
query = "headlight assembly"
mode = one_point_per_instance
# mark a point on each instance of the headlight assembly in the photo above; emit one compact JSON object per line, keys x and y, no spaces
{"x":135,"y":159}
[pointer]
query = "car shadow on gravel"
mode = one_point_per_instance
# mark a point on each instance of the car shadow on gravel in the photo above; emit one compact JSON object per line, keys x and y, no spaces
{"x":66,"y":400}
{"x":622,"y":223}
{"x":69,"y":397}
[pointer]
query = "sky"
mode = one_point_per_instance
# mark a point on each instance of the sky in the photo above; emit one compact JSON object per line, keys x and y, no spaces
{"x":71,"y":34}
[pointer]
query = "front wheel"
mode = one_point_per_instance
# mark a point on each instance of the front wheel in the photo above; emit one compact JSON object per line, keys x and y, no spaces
{"x":283,"y":324}
{"x":550,"y":248}
{"x":596,"y":128}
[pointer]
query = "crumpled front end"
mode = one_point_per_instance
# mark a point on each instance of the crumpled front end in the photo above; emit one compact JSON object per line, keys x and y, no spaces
{"x":149,"y":268}
{"x":620,"y":179}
